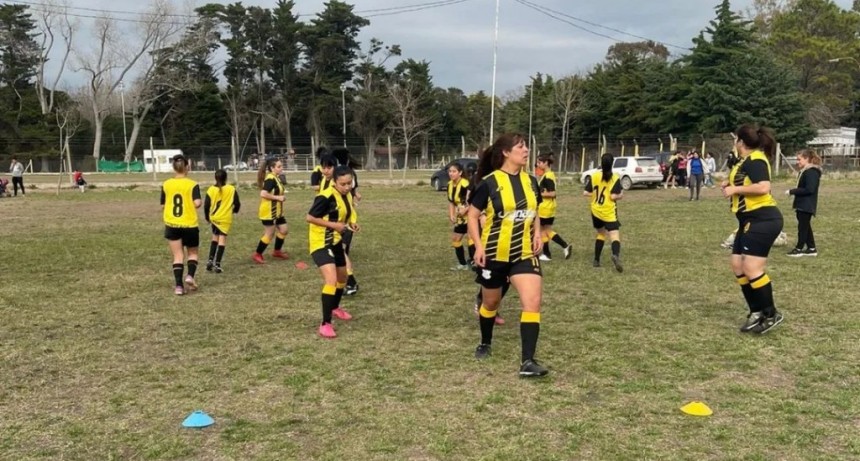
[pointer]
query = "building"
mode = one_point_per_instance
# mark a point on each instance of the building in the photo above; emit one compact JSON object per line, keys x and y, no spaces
{"x":835,"y":142}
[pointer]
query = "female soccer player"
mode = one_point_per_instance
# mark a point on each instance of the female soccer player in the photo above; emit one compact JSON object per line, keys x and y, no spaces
{"x":759,"y":224}
{"x":457,"y":191}
{"x":603,"y":188}
{"x":271,"y":211}
{"x":509,"y":243}
{"x":321,"y":178}
{"x":180,"y":197}
{"x":806,"y":201}
{"x":221,"y":203}
{"x":546,"y":184}
{"x":331,"y":215}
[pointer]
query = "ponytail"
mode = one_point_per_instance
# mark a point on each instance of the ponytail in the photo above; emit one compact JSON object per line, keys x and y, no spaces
{"x":493,"y":157}
{"x":265,"y":167}
{"x":180,"y":164}
{"x":220,"y":178}
{"x":758,"y":137}
{"x":811,"y":156}
{"x":606,"y":167}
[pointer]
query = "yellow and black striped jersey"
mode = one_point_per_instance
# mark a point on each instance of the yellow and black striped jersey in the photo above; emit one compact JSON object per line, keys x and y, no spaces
{"x":220,"y":205}
{"x":332,"y":206}
{"x":753,"y":169}
{"x":271,"y":209}
{"x":511,"y":202}
{"x":602,"y":205}
{"x":457,"y":195}
{"x":548,"y":205}
{"x":177,"y":197}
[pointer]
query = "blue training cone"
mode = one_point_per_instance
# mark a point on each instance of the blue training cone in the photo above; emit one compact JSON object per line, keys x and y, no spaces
{"x":198,"y":420}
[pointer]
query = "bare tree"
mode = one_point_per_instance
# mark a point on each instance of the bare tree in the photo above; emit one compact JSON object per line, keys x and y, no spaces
{"x":113,"y":57}
{"x":568,"y":94}
{"x":406,"y":97}
{"x":52,"y":18}
{"x":68,"y":116}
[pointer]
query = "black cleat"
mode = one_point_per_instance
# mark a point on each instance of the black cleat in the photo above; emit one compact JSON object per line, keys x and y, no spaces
{"x":531,"y":369}
{"x":209,"y":266}
{"x":795,"y":253}
{"x":567,"y":251}
{"x":595,"y":263}
{"x":616,"y":261}
{"x":351,"y":290}
{"x":768,"y":323}
{"x":483,"y":351}
{"x":753,"y":319}
{"x":218,"y":269}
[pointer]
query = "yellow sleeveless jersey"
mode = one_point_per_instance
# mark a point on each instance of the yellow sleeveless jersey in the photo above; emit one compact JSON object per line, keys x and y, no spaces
{"x":178,"y":195}
{"x":511,"y":204}
{"x":330,"y":206}
{"x":548,"y":205}
{"x":602,"y":205}
{"x":457,"y":196}
{"x":222,"y":200}
{"x":749,"y":171}
{"x":270,"y":209}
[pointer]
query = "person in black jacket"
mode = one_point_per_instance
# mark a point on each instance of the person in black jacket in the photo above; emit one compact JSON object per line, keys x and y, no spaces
{"x":806,"y":202}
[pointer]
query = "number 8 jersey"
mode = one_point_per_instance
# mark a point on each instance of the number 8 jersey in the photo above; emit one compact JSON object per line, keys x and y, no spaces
{"x":602,"y":205}
{"x":178,"y":196}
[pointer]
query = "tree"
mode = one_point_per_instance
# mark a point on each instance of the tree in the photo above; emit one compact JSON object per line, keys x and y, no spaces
{"x":330,"y":47}
{"x":406,"y":97}
{"x":568,"y":97}
{"x":284,"y":56}
{"x":370,"y":109}
{"x":107,"y":64}
{"x":421,"y":82}
{"x":52,"y":18}
{"x":19,"y":51}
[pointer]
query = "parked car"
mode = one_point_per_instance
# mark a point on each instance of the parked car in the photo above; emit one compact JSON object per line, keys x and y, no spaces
{"x":632,"y":171}
{"x":242,"y":166}
{"x":439,"y":180}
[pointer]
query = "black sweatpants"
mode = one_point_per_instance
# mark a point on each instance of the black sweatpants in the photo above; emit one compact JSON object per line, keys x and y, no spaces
{"x":16,"y":181}
{"x":804,"y":230}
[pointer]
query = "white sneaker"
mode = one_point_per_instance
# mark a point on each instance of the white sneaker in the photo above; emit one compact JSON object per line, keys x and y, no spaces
{"x":544,"y":257}
{"x":567,"y":251}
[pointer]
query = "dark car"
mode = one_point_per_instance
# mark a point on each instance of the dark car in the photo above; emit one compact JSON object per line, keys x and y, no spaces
{"x":439,"y":180}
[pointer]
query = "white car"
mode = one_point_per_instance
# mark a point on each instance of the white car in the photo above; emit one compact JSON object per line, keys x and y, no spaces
{"x":632,"y":171}
{"x":242,"y":167}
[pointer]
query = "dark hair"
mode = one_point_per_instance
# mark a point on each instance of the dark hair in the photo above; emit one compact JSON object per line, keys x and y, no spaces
{"x":493,"y":157}
{"x":458,"y":166}
{"x":322,"y":150}
{"x":328,"y":160}
{"x":758,"y":137}
{"x":180,"y":163}
{"x":549,"y":158}
{"x":341,"y":170}
{"x":220,"y":178}
{"x":266,"y":167}
{"x":606,"y":161}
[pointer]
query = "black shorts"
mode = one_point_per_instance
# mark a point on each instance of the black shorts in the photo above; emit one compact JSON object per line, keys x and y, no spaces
{"x":600,"y":224}
{"x":547,"y":221}
{"x":330,"y":255}
{"x":460,"y":228}
{"x":495,"y":274}
{"x":190,"y":236}
{"x":346,"y":240}
{"x":755,"y":236}
{"x":217,"y":231}
{"x":274,"y":222}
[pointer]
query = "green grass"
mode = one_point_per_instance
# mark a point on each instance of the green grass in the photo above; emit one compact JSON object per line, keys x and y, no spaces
{"x":99,"y":360}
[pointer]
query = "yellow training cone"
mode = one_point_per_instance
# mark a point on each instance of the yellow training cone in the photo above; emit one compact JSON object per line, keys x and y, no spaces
{"x":697,"y":409}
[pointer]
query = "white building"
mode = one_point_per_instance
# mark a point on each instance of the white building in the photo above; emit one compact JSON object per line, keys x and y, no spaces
{"x":160,"y":159}
{"x":835,"y":142}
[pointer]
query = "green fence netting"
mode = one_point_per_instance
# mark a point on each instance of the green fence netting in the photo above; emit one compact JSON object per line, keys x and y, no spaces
{"x":110,"y":166}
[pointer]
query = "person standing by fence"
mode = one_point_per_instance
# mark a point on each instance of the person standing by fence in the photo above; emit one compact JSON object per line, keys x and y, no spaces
{"x":695,"y":174}
{"x":17,"y":170}
{"x":806,"y":201}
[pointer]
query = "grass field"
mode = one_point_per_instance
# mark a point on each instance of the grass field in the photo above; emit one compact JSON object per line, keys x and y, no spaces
{"x":99,"y":359}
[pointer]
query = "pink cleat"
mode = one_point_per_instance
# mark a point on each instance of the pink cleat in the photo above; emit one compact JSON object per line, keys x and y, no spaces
{"x":327,"y":331}
{"x":278,"y":254}
{"x":179,"y":291}
{"x":192,"y":284}
{"x":258,"y":258}
{"x":341,"y":314}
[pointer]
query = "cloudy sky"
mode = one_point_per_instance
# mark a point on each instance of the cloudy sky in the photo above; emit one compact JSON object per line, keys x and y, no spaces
{"x":457,"y":39}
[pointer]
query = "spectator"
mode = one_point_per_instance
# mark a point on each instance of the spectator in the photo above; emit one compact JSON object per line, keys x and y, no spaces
{"x":695,"y":173}
{"x":17,"y":170}
{"x":710,"y":169}
{"x":806,"y":201}
{"x":79,"y":180}
{"x":681,"y":174}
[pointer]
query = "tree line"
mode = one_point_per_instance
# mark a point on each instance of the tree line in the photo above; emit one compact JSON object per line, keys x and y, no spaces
{"x":260,"y":75}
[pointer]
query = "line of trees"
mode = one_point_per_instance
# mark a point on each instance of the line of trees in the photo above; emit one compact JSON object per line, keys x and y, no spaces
{"x":790,"y":64}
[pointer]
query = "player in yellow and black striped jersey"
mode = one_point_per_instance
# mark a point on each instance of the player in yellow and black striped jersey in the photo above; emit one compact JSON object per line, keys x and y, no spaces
{"x":603,"y":188}
{"x":509,"y":243}
{"x":331,"y":216}
{"x":180,"y":197}
{"x":219,"y":206}
{"x":321,"y":177}
{"x":271,"y":211}
{"x":759,"y":224}
{"x":457,"y":193}
{"x":547,"y":186}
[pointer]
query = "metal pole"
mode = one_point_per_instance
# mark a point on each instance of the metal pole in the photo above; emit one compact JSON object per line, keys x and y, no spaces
{"x":343,"y":106}
{"x":493,"y":92}
{"x":154,"y":160}
{"x":122,"y":102}
{"x":531,"y":106}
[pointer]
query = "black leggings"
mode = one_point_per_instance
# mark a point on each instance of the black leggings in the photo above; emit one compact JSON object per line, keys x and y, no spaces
{"x":695,"y":183}
{"x":16,"y":181}
{"x":804,"y":230}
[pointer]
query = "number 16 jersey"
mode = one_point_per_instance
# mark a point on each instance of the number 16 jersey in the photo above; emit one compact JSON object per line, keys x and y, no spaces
{"x":178,"y":196}
{"x":602,"y":205}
